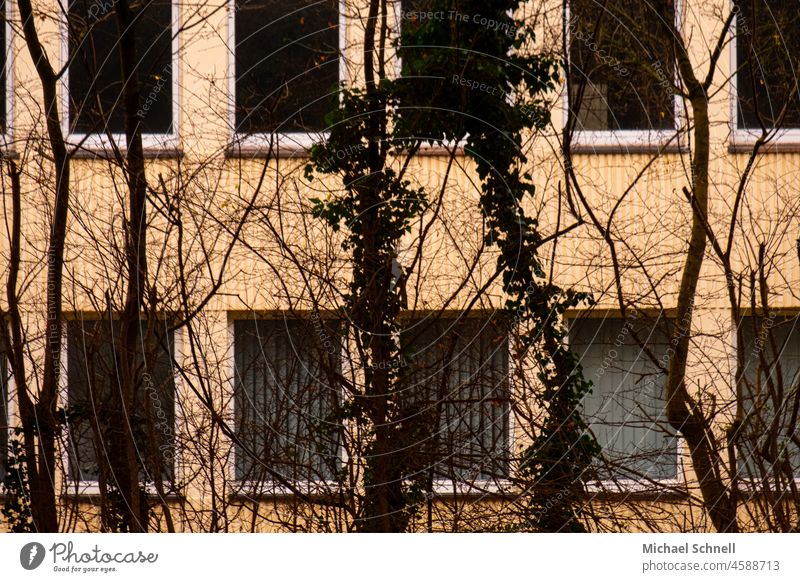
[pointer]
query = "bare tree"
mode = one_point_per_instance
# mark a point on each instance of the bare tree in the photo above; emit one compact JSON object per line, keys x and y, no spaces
{"x":713,"y":411}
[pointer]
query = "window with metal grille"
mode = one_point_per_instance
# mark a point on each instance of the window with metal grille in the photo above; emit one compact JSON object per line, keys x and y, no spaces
{"x":285,"y":402}
{"x":96,"y":81}
{"x":626,"y":408}
{"x":456,"y":385}
{"x":94,"y":389}
{"x":287,"y":65}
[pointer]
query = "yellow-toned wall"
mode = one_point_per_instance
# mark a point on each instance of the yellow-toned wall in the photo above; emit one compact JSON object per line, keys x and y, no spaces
{"x":651,"y":224}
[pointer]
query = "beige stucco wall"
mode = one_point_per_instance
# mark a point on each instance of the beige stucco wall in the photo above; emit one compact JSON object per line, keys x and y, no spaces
{"x":650,"y":225}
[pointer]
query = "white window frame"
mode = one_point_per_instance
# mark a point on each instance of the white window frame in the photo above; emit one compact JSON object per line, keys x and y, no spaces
{"x":7,"y":136}
{"x":99,"y":142}
{"x":743,"y":138}
{"x":288,"y":142}
{"x":268,"y":487}
{"x":81,"y":487}
{"x":625,"y":140}
{"x":643,"y":485}
{"x":443,"y":488}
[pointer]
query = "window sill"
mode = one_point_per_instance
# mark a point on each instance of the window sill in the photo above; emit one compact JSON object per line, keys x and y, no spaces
{"x":81,"y":146}
{"x":106,"y":154}
{"x":91,"y":490}
{"x":280,"y":145}
{"x":633,"y":486}
{"x":298,"y":146}
{"x":784,"y":141}
{"x":434,"y":150}
{"x":626,"y":142}
{"x":251,"y":490}
{"x":321,"y":490}
{"x":479,"y":488}
{"x":654,"y":493}
{"x":756,"y":487}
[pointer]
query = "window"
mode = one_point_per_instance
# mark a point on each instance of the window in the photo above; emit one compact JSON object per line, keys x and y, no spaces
{"x":767,"y":64}
{"x":770,"y":436}
{"x":430,"y":110}
{"x":621,"y":68}
{"x":285,"y":404}
{"x":626,"y":408}
{"x":95,"y":78}
{"x":409,"y":20}
{"x":413,"y":13}
{"x":456,"y":383}
{"x":93,"y":394}
{"x":287,"y":65}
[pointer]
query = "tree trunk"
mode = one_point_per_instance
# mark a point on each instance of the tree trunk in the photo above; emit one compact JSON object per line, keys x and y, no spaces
{"x":127,"y":465}
{"x":42,"y":466}
{"x":682,"y":410}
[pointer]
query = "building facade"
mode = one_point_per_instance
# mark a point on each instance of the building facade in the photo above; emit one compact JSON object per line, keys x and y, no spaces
{"x":671,"y":119}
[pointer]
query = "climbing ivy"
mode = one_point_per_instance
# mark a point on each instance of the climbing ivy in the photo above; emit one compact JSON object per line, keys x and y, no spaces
{"x":468,"y":76}
{"x":16,"y":508}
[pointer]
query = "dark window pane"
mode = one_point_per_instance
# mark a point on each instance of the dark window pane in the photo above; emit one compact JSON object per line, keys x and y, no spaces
{"x":94,"y":390}
{"x":768,"y":57}
{"x":626,"y":408}
{"x":770,"y":434}
{"x":442,"y":41}
{"x":284,"y":401}
{"x":619,"y":55}
{"x":410,"y":17}
{"x":287,"y":64}
{"x":456,"y":381}
{"x":95,"y":74}
{"x":410,"y":23}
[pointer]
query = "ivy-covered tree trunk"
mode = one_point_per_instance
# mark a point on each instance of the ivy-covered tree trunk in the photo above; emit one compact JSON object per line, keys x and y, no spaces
{"x":457,"y":77}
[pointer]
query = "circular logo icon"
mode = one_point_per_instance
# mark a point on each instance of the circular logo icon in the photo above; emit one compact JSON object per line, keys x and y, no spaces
{"x":31,"y":555}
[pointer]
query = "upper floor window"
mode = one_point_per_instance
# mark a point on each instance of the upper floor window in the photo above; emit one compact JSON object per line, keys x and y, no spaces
{"x":767,"y":64}
{"x":621,"y":66}
{"x":414,"y":13}
{"x":93,"y":396}
{"x":95,"y":77}
{"x":626,"y":409}
{"x":286,"y":65}
{"x":769,"y":442}
{"x":457,"y":385}
{"x":285,"y":402}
